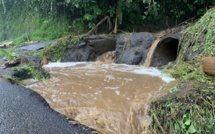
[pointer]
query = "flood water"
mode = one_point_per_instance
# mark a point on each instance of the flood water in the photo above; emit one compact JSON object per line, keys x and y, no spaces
{"x":108,"y":97}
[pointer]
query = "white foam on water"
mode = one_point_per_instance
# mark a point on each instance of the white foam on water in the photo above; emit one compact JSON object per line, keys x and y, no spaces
{"x":110,"y":77}
{"x":154,"y":72}
{"x":117,"y":67}
{"x":63,"y":64}
{"x":112,"y":88}
{"x":117,"y":92}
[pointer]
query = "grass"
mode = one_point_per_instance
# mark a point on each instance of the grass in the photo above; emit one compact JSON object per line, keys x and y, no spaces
{"x":193,"y":113}
{"x":9,"y":54}
{"x":51,"y":29}
{"x":46,"y":30}
{"x":19,"y":25}
{"x":13,"y":80}
{"x":35,"y":72}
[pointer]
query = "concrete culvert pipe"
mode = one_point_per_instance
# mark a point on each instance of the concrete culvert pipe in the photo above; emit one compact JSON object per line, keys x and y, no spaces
{"x":167,"y":50}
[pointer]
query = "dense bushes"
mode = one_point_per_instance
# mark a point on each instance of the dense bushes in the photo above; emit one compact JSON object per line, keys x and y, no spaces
{"x":24,"y":16}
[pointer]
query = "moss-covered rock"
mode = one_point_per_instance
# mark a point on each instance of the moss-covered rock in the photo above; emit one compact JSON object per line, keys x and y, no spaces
{"x":56,"y":51}
{"x":79,"y":48}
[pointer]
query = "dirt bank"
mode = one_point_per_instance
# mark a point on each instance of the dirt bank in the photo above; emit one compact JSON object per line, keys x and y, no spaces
{"x":190,"y":107}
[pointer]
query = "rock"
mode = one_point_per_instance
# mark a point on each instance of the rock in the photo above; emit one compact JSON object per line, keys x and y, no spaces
{"x":80,"y":53}
{"x":30,"y":59}
{"x":23,"y":111}
{"x":133,"y":48}
{"x":190,"y":54}
{"x":208,"y":65}
{"x":90,"y":48}
{"x":21,"y":73}
{"x":101,"y":44}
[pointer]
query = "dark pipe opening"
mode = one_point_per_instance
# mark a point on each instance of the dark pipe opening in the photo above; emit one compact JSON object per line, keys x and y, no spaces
{"x":168,"y":49}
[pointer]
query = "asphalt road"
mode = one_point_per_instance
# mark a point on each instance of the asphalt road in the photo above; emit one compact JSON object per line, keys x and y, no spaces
{"x":36,"y":46}
{"x":22,"y":111}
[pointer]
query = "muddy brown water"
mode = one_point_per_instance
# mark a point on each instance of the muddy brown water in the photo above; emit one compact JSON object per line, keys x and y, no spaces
{"x":110,"y":98}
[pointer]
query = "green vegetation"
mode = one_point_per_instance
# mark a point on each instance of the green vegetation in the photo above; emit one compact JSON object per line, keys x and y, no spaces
{"x":13,"y":80}
{"x":191,"y":112}
{"x":51,"y":19}
{"x":57,"y":50}
{"x":9,"y":54}
{"x":197,"y":42}
{"x":25,"y":21}
{"x":35,"y":72}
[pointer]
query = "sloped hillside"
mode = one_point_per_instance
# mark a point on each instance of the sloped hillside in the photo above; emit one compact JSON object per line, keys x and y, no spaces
{"x":190,"y":107}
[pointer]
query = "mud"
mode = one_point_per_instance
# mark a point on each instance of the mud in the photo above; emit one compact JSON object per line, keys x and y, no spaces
{"x":108,"y":97}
